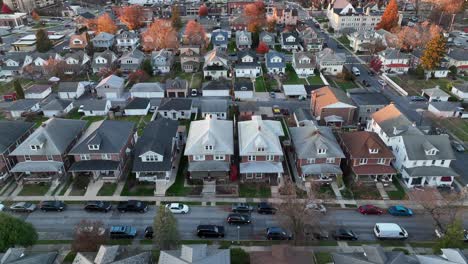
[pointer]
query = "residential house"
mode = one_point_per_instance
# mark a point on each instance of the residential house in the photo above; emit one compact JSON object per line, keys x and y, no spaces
{"x":210,"y":145}
{"x":13,"y":64}
{"x":460,"y":91}
{"x":275,"y":62}
{"x":303,"y":117}
{"x":190,"y":58}
{"x":37,"y":91}
{"x":196,"y":254}
{"x":285,"y":15}
{"x":156,"y":151}
{"x":424,"y":160}
{"x":19,"y":255}
{"x":127,"y":40}
{"x":394,"y":61}
{"x":22,"y":106}
{"x":368,"y":103}
{"x":57,"y":108}
{"x":247,"y":64}
{"x":79,"y":41}
{"x":131,"y":60}
{"x":218,"y":88}
{"x":387,"y":39}
{"x":280,"y":254}
{"x":110,"y":87}
{"x":290,"y":41}
{"x":457,"y":57}
{"x":103,"y":40}
{"x":329,"y":62}
{"x":268,"y":38}
{"x":214,"y":107}
{"x":332,"y":107}
{"x":137,"y":107}
{"x":238,"y":22}
{"x":176,"y":87}
{"x":367,"y":157}
{"x":43,"y":156}
{"x":220,"y":39}
{"x":243,"y":39}
{"x":435,"y":94}
{"x":439,"y":72}
{"x":148,"y":90}
{"x":175,"y":108}
{"x":103,"y":150}
{"x":216,"y":65}
{"x":303,"y":63}
{"x":12,"y":133}
{"x":361,"y":41}
{"x":76,"y":63}
{"x":162,"y":61}
{"x":93,"y":107}
{"x":35,"y":62}
{"x":13,"y":20}
{"x":112,"y":255}
{"x":375,"y":255}
{"x":243,"y":89}
{"x":72,"y":90}
{"x":247,"y":110}
{"x":260,"y":150}
{"x":317,"y":154}
{"x":294,"y":91}
{"x":311,"y":40}
{"x":446,"y":109}
{"x":103,"y":60}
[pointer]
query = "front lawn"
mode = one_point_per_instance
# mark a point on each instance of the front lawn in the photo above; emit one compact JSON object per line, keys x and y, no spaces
{"x":323,"y":257}
{"x":34,"y":189}
{"x":260,"y":86}
{"x":239,"y":256}
{"x":178,"y":188}
{"x":399,"y":193}
{"x":108,"y":189}
{"x":253,"y":190}
{"x":291,"y":76}
{"x":411,"y":84}
{"x":133,"y":188}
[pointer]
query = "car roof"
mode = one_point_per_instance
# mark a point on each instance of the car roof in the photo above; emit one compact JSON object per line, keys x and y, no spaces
{"x":275,"y":229}
{"x":174,"y":204}
{"x":400,"y":207}
{"x":206,"y":226}
{"x":118,"y":228}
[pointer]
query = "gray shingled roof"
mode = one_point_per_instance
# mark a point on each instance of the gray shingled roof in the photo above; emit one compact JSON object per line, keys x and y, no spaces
{"x":458,"y":54}
{"x":369,"y":98}
{"x":214,"y":106}
{"x":67,"y":86}
{"x":271,"y":54}
{"x":138,"y":103}
{"x":93,"y":105}
{"x":416,"y":145}
{"x":56,"y":104}
{"x":303,"y":114}
{"x":243,"y":85}
{"x":147,"y":87}
{"x":216,"y":85}
{"x":11,"y":131}
{"x":177,"y":104}
{"x":308,"y":139}
{"x":22,"y":104}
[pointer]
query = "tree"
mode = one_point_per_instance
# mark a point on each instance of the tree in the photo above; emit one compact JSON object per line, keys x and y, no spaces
{"x":375,"y":64}
{"x":16,"y":232}
{"x":373,"y":47}
{"x":43,"y":43}
{"x":147,"y":67}
{"x":90,"y":48}
{"x":434,"y":53}
{"x":55,"y":68}
{"x":160,"y":35}
{"x":271,"y":25}
{"x":453,"y":237}
{"x":138,"y":76}
{"x":6,"y":9}
{"x":390,"y":16}
{"x":18,"y":89}
{"x":255,"y":16}
{"x":262,"y":48}
{"x":106,"y":24}
{"x":195,"y":34}
{"x":89,"y":236}
{"x":453,"y":69}
{"x":165,"y":226}
{"x":175,"y":18}
{"x":417,"y":36}
{"x":35,"y":16}
{"x":132,"y":16}
{"x":203,"y":11}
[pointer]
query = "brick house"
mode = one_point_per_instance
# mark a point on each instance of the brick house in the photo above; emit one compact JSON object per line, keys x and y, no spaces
{"x":332,"y":107}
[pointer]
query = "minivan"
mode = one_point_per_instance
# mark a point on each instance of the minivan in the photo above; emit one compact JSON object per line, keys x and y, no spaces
{"x":122,"y":232}
{"x":355,"y":71}
{"x":390,"y":231}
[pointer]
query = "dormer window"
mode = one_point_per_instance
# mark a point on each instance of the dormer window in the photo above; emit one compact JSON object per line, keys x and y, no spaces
{"x":321,"y":151}
{"x":150,"y":158}
{"x":260,"y":149}
{"x":35,"y":147}
{"x":431,"y":152}
{"x":93,"y":147}
{"x":373,"y":151}
{"x":209,"y":147}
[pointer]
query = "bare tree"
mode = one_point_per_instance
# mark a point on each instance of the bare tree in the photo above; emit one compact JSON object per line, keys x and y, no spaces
{"x":89,"y":236}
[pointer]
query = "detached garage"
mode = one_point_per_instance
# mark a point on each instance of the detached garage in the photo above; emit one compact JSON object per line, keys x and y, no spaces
{"x":295,"y":90}
{"x":138,"y":107}
{"x":148,"y":90}
{"x":219,"y":88}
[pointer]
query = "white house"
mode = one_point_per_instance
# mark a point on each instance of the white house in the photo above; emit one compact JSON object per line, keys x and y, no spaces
{"x":57,"y":108}
{"x":330,"y":62}
{"x":460,"y":91}
{"x":394,"y":61}
{"x":303,"y":63}
{"x":216,"y":65}
{"x":435,"y":94}
{"x":217,"y":88}
{"x":71,"y":90}
{"x":175,"y":108}
{"x":93,"y":107}
{"x":111,"y":87}
{"x":445,"y":109}
{"x":137,"y":107}
{"x":22,"y":106}
{"x":290,"y":41}
{"x":214,"y":107}
{"x":294,"y":90}
{"x":247,"y":65}
{"x":147,"y":90}
{"x":275,"y":62}
{"x":243,"y":89}
{"x":38,"y":91}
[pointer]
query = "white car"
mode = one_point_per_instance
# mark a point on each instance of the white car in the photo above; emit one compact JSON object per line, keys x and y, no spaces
{"x":178,"y":208}
{"x":317,"y":207}
{"x":382,"y":82}
{"x":1,"y":207}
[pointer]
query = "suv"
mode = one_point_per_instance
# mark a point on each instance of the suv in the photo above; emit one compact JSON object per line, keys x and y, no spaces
{"x":98,"y":206}
{"x":265,"y":208}
{"x":132,"y":206}
{"x":52,"y":206}
{"x":277,"y":233}
{"x":122,"y":232}
{"x":210,"y":231}
{"x":241,"y":208}
{"x":238,"y":219}
{"x":149,"y":232}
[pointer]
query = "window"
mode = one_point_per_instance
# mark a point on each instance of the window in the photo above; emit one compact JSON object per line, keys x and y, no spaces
{"x":198,"y":157}
{"x":330,"y":160}
{"x":442,"y":162}
{"x":106,"y":156}
{"x":374,"y":151}
{"x":321,"y":151}
{"x":27,"y":157}
{"x":151,"y":158}
{"x":35,"y":147}
{"x":219,"y":157}
{"x":433,"y":162}
{"x":182,"y":113}
{"x":381,"y":161}
{"x":258,"y":176}
{"x":261,"y":149}
{"x":208,"y":147}
{"x":93,"y":147}
{"x":362,"y":161}
{"x":249,"y":176}
{"x":270,"y":157}
{"x":252,"y":158}
{"x":85,"y":157}
{"x":311,"y":161}
{"x":50,"y":157}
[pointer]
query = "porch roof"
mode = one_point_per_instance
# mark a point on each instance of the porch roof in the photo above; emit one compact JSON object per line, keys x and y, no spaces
{"x":429,"y":171}
{"x":209,"y":165}
{"x":333,"y":118}
{"x":261,"y":167}
{"x":38,"y":166}
{"x":321,"y":169}
{"x":373,"y":170}
{"x":94,"y":165}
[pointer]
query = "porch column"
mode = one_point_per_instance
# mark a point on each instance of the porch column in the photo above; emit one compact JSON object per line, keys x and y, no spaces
{"x":410,"y":182}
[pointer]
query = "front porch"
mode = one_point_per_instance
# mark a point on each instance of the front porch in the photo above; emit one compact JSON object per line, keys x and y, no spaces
{"x":374,"y":173}
{"x":106,"y":170}
{"x":261,"y":171}
{"x":431,"y":176}
{"x":321,"y":173}
{"x":38,"y":171}
{"x":209,"y":171}
{"x":333,"y":121}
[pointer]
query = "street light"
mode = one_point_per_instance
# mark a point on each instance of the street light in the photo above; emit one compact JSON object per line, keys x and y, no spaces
{"x":238,"y":235}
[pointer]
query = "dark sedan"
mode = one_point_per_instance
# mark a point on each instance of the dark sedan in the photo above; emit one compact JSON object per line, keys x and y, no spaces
{"x":345,"y":234}
{"x":238,"y":219}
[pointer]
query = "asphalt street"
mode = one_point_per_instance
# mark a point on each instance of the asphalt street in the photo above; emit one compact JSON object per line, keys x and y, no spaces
{"x":60,"y":225}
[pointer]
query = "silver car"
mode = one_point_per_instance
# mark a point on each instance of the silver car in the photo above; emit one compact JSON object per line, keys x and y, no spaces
{"x":23,"y":207}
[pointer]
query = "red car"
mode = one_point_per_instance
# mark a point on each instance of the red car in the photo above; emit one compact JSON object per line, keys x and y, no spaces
{"x":370,"y":209}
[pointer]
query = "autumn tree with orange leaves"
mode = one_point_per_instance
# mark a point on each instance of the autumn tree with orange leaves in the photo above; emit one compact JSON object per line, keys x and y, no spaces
{"x":390,"y":17}
{"x":35,"y":16}
{"x":106,"y":24}
{"x":160,"y":35}
{"x":54,"y":67}
{"x":255,"y":16}
{"x":132,"y":16}
{"x":417,"y":36}
{"x":195,"y":34}
{"x":203,"y":11}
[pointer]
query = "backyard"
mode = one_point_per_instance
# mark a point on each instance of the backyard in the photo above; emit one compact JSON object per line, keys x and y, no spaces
{"x":413,"y":85}
{"x":8,"y":86}
{"x":291,"y":76}
{"x":457,"y":126}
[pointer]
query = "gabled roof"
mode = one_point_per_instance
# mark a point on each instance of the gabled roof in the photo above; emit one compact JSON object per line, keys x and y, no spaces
{"x":243,"y":85}
{"x":359,"y":143}
{"x":138,"y":103}
{"x":329,"y":96}
{"x":309,"y":139}
{"x":18,"y":256}
{"x":327,"y":55}
{"x":22,"y":105}
{"x":215,"y":33}
{"x":136,"y":54}
{"x":176,"y":84}
{"x":369,"y":98}
{"x":393,"y":54}
{"x":266,"y":33}
{"x":112,"y":80}
{"x":196,"y":254}
{"x":11,"y":131}
{"x":417,"y":145}
{"x":458,"y":54}
{"x":271,"y":54}
{"x":37,"y":88}
{"x":110,"y":135}
{"x":210,"y":132}
{"x":104,"y":36}
{"x":55,"y":135}
{"x":298,"y":56}
{"x":147,"y":87}
{"x":393,"y":122}
{"x":57,"y":104}
{"x":373,"y":255}
{"x":243,"y":33}
{"x":93,"y":105}
{"x":127,"y":35}
{"x":177,"y":104}
{"x":214,"y":106}
{"x":258,"y":133}
{"x":216,"y":85}
{"x":285,"y":35}
{"x":216,"y":55}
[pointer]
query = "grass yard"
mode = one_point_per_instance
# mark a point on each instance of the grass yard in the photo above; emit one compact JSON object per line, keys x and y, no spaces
{"x":92,"y":119}
{"x":176,"y":71}
{"x":345,"y":85}
{"x":34,"y":190}
{"x":8,"y":86}
{"x":178,"y":188}
{"x":74,"y":114}
{"x":457,"y":126}
{"x":107,"y":189}
{"x":291,"y":76}
{"x":365,"y":192}
{"x":254,"y":190}
{"x":344,"y":40}
{"x":37,"y":119}
{"x":323,"y":257}
{"x":197,"y":80}
{"x":231,"y":46}
{"x":239,"y":256}
{"x":315,"y":80}
{"x":133,"y":188}
{"x":400,"y":193}
{"x":413,"y":85}
{"x":134,"y":119}
{"x":260,"y":86}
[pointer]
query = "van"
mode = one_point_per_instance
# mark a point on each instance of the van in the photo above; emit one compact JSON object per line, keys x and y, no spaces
{"x":389,"y":231}
{"x":356,"y":71}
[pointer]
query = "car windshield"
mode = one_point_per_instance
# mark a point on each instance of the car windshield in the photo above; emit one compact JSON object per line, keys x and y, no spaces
{"x":25,"y":205}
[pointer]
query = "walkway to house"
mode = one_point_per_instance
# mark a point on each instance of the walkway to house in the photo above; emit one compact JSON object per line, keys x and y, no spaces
{"x":94,"y":187}
{"x":382,"y":191}
{"x":338,"y":195}
{"x":119,"y":188}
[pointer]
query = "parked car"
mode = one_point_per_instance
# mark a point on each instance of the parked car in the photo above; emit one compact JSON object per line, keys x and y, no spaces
{"x":417,"y":98}
{"x":276,"y":110}
{"x":149,"y":232}
{"x":1,"y":207}
{"x":382,"y":82}
{"x":237,"y":218}
{"x":313,"y":232}
{"x":241,"y":208}
{"x":194,"y":92}
{"x":123,"y":231}
{"x":277,"y":233}
{"x":272,"y":95}
{"x":98,"y":206}
{"x":370,"y":209}
{"x":265,"y":208}
{"x":390,"y":231}
{"x":57,"y":206}
{"x":400,"y":210}
{"x":458,"y":146}
{"x":210,"y":231}
{"x":132,"y":206}
{"x":317,"y":207}
{"x":178,"y":208}
{"x":344,"y":234}
{"x":23,"y":207}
